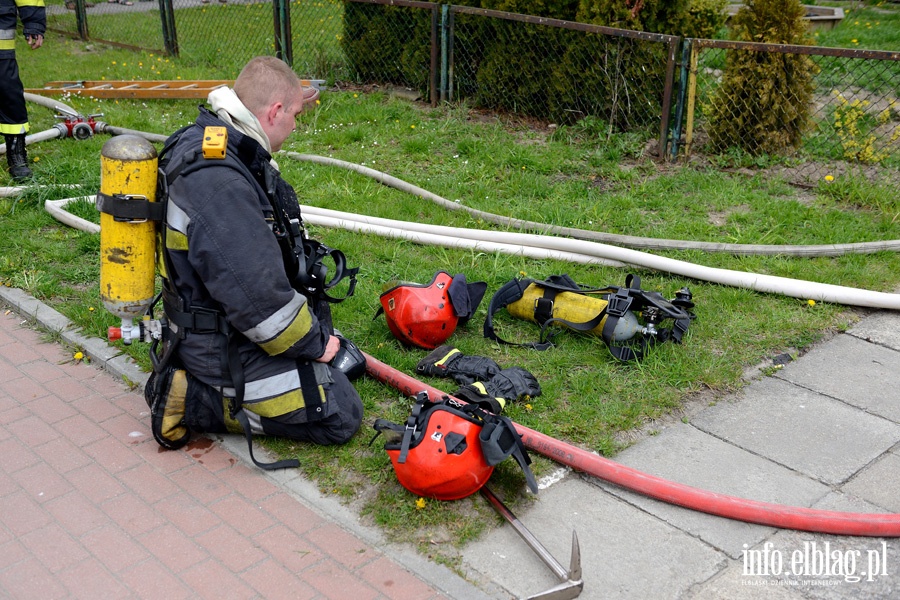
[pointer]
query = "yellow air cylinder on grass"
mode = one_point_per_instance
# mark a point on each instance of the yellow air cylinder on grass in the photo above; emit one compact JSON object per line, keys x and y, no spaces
{"x":577,"y":308}
{"x":128,"y":167}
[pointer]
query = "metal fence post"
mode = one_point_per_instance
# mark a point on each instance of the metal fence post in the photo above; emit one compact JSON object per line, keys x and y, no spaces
{"x":81,"y":20}
{"x":666,"y":108}
{"x":435,"y":75}
{"x":450,"y":33}
{"x":445,"y":10}
{"x":167,"y":16}
{"x":284,"y":49}
{"x":691,"y":100}
{"x":682,"y":91}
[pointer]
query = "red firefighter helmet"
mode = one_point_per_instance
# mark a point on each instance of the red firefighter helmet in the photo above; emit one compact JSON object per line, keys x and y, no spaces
{"x":444,"y":460}
{"x":420,"y":315}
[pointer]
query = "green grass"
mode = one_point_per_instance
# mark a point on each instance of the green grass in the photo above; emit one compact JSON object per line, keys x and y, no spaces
{"x":874,"y":26}
{"x":569,"y":176}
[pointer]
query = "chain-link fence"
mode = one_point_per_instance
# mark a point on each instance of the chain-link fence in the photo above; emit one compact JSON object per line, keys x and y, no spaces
{"x":560,"y":70}
{"x":128,"y":23}
{"x":812,"y":110}
{"x":819,"y":111}
{"x":219,"y":34}
{"x":537,"y":67}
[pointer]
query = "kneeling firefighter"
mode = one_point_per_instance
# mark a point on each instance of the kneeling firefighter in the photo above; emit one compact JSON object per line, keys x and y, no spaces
{"x":248,"y":344}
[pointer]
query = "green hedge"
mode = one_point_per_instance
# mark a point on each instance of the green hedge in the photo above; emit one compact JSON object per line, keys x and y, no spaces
{"x":526,"y":68}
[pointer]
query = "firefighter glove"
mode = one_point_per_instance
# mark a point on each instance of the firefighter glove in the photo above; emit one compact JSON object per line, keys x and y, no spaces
{"x":508,"y":385}
{"x":447,"y":361}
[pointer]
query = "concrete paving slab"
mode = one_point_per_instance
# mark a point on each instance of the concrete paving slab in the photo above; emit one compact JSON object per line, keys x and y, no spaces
{"x":882,"y":327}
{"x":626,"y":553}
{"x":879,"y":483}
{"x":800,"y":429}
{"x":692,"y":457}
{"x":858,"y":567}
{"x":732,"y":584}
{"x":857,"y":372}
{"x":758,"y":574}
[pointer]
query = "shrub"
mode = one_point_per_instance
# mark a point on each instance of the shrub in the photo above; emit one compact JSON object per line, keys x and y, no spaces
{"x":618,"y":79}
{"x":513,"y":49}
{"x":656,"y":16}
{"x":705,"y":18}
{"x":371,"y":42}
{"x":763,"y":103}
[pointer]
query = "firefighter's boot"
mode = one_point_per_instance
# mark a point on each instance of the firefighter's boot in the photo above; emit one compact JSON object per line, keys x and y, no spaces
{"x":17,"y":159}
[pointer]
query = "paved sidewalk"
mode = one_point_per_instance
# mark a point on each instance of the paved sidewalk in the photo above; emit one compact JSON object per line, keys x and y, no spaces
{"x":91,"y":507}
{"x":823,"y":432}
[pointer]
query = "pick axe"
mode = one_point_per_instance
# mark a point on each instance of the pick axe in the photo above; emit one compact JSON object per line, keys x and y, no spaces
{"x":571,"y":583}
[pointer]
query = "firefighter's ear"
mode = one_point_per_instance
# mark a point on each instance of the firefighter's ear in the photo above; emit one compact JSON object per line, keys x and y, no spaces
{"x":271,"y":113}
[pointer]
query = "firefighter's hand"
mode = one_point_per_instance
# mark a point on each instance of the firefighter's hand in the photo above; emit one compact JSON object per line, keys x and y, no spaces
{"x":35,"y":41}
{"x":331,"y":348}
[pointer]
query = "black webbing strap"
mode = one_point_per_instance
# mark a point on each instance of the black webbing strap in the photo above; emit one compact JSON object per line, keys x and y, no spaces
{"x":552,"y":287}
{"x":129,"y":207}
{"x":313,"y":275}
{"x":412,"y":424}
{"x":237,"y":408}
{"x":287,"y":463}
{"x":617,"y":305}
{"x":499,"y":439}
{"x":543,"y":310}
{"x":509,"y":293}
{"x":309,"y":387}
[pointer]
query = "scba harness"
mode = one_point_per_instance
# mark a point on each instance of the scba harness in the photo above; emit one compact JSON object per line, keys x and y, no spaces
{"x":179,"y":402}
{"x":448,"y":449}
{"x":613,"y":313}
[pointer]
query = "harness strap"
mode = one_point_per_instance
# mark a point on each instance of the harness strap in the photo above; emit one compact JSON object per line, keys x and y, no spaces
{"x":237,"y":412}
{"x":128,"y":207}
{"x":309,"y":387}
{"x":412,"y":424}
{"x":509,"y":293}
{"x":201,"y":320}
{"x":314,"y":274}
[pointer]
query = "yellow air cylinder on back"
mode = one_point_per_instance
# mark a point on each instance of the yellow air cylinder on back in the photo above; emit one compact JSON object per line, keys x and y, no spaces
{"x":128,"y":166}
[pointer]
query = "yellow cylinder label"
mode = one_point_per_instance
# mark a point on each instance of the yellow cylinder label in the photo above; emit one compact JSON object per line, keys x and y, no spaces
{"x":127,"y":248}
{"x":577,"y":308}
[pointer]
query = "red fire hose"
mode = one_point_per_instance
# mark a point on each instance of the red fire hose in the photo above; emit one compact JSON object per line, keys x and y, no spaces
{"x":730,"y":507}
